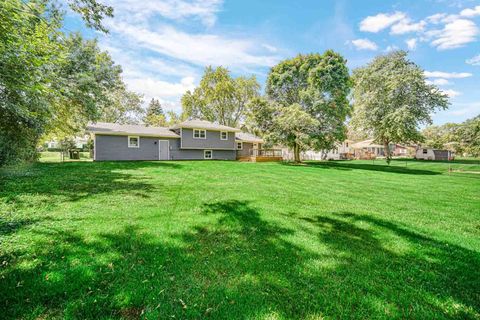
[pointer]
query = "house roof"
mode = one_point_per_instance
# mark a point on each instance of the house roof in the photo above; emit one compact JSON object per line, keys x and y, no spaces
{"x":366,"y":144}
{"x":203,"y":124}
{"x":126,"y":129}
{"x":247,"y":137}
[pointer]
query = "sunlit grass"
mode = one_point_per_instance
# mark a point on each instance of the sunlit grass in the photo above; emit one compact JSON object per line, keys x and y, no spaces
{"x":227,"y":240}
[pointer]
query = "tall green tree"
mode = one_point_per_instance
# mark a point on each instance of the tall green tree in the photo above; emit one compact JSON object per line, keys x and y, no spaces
{"x":46,"y":82}
{"x":459,"y":137}
{"x":312,"y":92}
{"x":87,"y":87}
{"x":220,"y":97}
{"x":470,"y":136}
{"x":392,"y":99}
{"x":155,"y":115}
{"x":28,"y":49}
{"x":123,"y":106}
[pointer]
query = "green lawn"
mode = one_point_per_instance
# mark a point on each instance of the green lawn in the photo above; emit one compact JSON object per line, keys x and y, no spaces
{"x":231,"y":240}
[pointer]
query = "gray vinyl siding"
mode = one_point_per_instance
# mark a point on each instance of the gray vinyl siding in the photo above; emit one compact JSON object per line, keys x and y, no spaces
{"x":197,"y":154}
{"x":247,"y":146}
{"x":245,"y":152}
{"x":212,"y":140}
{"x":110,"y":147}
{"x":114,"y":147}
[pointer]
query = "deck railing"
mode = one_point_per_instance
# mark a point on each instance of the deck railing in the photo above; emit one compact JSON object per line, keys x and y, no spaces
{"x":266,"y":153}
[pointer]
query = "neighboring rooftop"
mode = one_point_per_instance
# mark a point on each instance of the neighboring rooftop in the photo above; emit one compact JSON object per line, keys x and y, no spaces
{"x":113,"y":128}
{"x":248,"y":137}
{"x":203,"y":124}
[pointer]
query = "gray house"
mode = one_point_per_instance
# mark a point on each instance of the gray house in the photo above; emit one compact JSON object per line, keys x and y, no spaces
{"x":189,"y":140}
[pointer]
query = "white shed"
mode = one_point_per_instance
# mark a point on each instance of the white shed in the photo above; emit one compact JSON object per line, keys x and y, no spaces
{"x":433,"y":154}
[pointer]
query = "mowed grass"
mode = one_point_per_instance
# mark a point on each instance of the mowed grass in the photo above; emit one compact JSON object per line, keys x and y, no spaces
{"x":231,"y":240}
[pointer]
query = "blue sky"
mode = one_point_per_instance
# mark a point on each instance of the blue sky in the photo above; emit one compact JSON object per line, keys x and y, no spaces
{"x":163,"y":45}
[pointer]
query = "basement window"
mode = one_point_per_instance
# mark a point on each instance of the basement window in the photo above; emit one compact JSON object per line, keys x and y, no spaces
{"x":133,"y":141}
{"x":207,"y":154}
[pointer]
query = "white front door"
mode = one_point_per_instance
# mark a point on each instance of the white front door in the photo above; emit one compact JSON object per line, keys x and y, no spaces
{"x":163,"y":150}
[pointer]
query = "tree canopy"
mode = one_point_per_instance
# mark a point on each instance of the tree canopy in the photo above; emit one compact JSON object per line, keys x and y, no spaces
{"x":220,"y":97}
{"x":458,"y":137}
{"x":306,"y":102}
{"x":51,"y":83}
{"x":392,"y":99}
{"x":155,"y":116}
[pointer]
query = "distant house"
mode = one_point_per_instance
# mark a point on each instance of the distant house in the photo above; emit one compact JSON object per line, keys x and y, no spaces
{"x":80,"y":142}
{"x":189,"y":140}
{"x":342,"y":151}
{"x":434,"y":154}
{"x":368,"y":149}
{"x":399,"y":150}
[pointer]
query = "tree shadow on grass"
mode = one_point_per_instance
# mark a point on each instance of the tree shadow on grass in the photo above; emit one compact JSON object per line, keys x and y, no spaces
{"x":77,"y":180}
{"x":344,"y":165}
{"x":51,"y":184}
{"x":242,"y":266}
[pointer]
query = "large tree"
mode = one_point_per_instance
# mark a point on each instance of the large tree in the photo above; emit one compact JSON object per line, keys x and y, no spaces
{"x":88,"y":87}
{"x":459,"y":137}
{"x":49,"y":81}
{"x":155,"y":115}
{"x":392,"y":99}
{"x":220,"y":97}
{"x":306,"y":103}
{"x":470,"y":136}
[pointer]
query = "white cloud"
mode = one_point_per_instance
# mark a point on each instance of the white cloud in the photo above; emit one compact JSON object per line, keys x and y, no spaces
{"x":140,"y":10}
{"x":436,"y":18}
{"x":470,"y":12}
{"x":455,"y":34}
{"x":439,"y":82}
{"x":156,"y":88}
{"x":406,"y":26}
{"x":200,"y":49}
{"x":380,"y":21}
{"x":475,"y":61}
{"x":469,"y":109}
{"x":364,"y":44}
{"x":411,"y":43}
{"x":451,"y":93}
{"x":269,"y":47}
{"x":447,"y":75}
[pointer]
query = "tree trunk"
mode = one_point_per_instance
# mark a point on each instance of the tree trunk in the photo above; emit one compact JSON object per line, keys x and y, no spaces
{"x":388,"y":155}
{"x":296,"y":153}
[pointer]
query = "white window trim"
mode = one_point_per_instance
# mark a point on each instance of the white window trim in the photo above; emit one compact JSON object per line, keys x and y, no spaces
{"x":193,"y":134}
{"x":205,"y":154}
{"x":241,"y":145}
{"x":255,"y":146}
{"x":138,"y":139}
{"x":94,"y":147}
{"x":226,"y":136}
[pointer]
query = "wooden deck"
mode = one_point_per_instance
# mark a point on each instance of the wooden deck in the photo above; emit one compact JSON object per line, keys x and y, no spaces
{"x":262,"y":155}
{"x":259,"y":158}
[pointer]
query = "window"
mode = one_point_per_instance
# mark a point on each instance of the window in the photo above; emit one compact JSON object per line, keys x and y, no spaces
{"x":346,"y":144}
{"x":199,"y":134}
{"x":239,"y":145}
{"x":133,"y":141}
{"x":207,"y":154}
{"x":223,"y":135}
{"x":255,"y":146}
{"x":425,"y":151}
